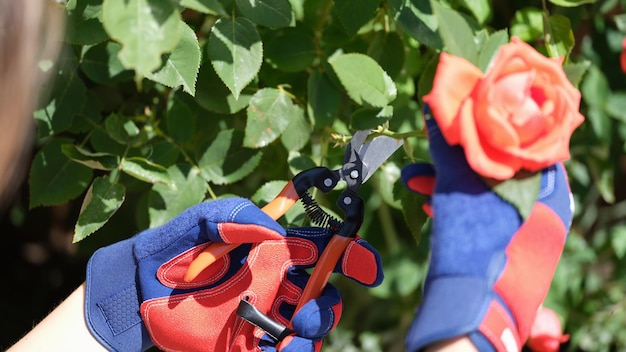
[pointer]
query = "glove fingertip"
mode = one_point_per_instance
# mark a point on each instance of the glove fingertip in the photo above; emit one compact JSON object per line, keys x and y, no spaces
{"x":419,"y":178}
{"x":297,"y":344}
{"x":318,"y":317}
{"x":362,"y":263}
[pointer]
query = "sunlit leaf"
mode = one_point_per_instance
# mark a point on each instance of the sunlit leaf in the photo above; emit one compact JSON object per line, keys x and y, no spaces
{"x":364,"y":80}
{"x":96,"y":161}
{"x":416,"y":17}
{"x":102,"y":200}
{"x":224,"y":161}
{"x":84,"y":22}
{"x":167,"y":202}
{"x":269,"y":113}
{"x":236,"y":52}
{"x":213,"y":7}
{"x":145,"y":28}
{"x":269,"y":13}
{"x":457,"y":35}
{"x":182,"y":64}
{"x":147,"y":171}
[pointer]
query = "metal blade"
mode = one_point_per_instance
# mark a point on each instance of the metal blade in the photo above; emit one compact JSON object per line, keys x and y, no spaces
{"x":374,"y":153}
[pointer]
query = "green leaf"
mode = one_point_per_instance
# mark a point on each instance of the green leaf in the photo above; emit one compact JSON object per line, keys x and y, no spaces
{"x":145,"y":28}
{"x":96,"y":161}
{"x":224,"y":161}
{"x":323,"y":99}
{"x":616,"y":106}
{"x":269,"y":13}
{"x":364,"y":80}
{"x":456,"y":33}
{"x":353,"y":14}
{"x":269,"y":113}
{"x":164,"y":203}
{"x":363,"y":119}
{"x":236,"y":52}
{"x":102,"y":200}
{"x":559,"y":36}
{"x":182,"y":64}
{"x":121,"y":128}
{"x":290,"y":50}
{"x":527,"y":24}
{"x":55,"y":179}
{"x":67,"y":100}
{"x":414,"y":216}
{"x":417,"y":19}
{"x":212,"y":7}
{"x":618,"y":240}
{"x":102,"y":65}
{"x":180,"y":121}
{"x":571,"y":3}
{"x":576,"y":71}
{"x":298,"y":131}
{"x":84,"y":22}
{"x":213,"y":95}
{"x":490,"y":47}
{"x":387,"y":48}
{"x":520,"y":192}
{"x":147,"y":171}
{"x":595,"y":87}
{"x":481,"y":9}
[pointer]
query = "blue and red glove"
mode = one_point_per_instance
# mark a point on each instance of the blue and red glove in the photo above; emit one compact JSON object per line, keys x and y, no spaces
{"x":136,"y":295}
{"x":489,"y":269}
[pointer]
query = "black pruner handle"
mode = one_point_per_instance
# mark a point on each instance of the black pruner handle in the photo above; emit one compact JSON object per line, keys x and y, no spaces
{"x":251,"y":314}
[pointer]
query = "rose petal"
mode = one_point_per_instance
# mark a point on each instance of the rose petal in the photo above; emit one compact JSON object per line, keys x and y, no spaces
{"x":445,"y":99}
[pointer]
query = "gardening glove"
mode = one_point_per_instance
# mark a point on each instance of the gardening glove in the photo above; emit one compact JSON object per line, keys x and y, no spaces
{"x":136,"y":295}
{"x":489,"y":269}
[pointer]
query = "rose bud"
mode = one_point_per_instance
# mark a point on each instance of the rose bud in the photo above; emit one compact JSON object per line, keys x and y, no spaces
{"x":545,"y":334}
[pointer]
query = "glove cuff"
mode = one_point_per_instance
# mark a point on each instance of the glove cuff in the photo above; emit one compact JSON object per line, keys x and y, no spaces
{"x":111,"y":299}
{"x":463,"y":306}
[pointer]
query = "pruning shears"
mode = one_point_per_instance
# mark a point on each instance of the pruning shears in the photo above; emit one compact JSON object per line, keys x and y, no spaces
{"x":361,"y":160}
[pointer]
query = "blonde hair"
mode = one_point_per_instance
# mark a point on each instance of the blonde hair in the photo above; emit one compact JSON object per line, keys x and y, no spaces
{"x":30,"y":31}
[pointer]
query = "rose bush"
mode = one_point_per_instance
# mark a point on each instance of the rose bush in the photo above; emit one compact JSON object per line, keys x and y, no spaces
{"x":517,"y":116}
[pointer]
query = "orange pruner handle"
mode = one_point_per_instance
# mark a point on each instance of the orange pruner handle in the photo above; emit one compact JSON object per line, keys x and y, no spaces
{"x":275,"y":209}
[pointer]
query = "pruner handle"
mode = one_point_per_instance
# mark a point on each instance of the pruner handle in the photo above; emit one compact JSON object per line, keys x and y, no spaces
{"x":275,"y":209}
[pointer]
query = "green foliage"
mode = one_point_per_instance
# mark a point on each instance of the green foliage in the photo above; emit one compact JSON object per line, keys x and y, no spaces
{"x":158,"y":105}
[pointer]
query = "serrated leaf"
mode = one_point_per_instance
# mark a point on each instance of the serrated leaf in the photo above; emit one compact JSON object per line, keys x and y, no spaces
{"x":224,"y":161}
{"x":323,"y":99}
{"x":213,"y":95}
{"x":67,"y":100}
{"x":146,"y":29}
{"x":269,"y":113}
{"x":269,"y":13}
{"x":182,"y":64}
{"x":55,"y":179}
{"x":102,"y":200}
{"x":364,"y":80}
{"x":213,"y":7}
{"x":456,"y":33}
{"x":236,"y":52}
{"x":520,"y":192}
{"x":96,"y":161}
{"x":353,"y":14}
{"x":147,"y":171}
{"x":490,"y":47}
{"x":164,"y":202}
{"x":417,"y":19}
{"x":102,"y":65}
{"x":290,"y":50}
{"x":180,"y":121}
{"x":298,"y":131}
{"x":559,"y":38}
{"x":84,"y":22}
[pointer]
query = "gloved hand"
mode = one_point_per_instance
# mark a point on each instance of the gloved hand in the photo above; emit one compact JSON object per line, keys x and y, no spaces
{"x":489,"y":270}
{"x":136,"y":294}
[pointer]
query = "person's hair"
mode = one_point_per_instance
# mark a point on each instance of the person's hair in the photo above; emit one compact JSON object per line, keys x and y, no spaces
{"x":30,"y":31}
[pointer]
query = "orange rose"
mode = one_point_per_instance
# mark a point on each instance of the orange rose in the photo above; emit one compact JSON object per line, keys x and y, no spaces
{"x":519,"y":115}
